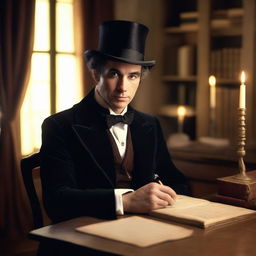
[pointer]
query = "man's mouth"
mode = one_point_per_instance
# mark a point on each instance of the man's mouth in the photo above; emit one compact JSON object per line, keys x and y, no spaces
{"x":121,"y":97}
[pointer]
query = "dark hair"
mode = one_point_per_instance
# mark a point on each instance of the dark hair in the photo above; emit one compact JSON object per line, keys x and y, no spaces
{"x":97,"y":62}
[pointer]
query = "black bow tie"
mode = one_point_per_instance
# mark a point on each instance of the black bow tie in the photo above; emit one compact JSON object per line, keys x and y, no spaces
{"x":127,"y":118}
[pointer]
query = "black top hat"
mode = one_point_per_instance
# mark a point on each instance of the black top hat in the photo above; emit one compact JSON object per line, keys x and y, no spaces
{"x":122,"y":41}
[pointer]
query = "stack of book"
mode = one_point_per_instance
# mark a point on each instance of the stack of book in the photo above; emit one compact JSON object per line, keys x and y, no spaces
{"x":238,"y":192}
{"x":227,"y":18}
{"x":220,"y":19}
{"x":235,"y":15}
{"x":189,"y":20}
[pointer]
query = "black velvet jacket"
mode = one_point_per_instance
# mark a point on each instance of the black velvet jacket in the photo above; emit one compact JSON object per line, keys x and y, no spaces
{"x":77,"y":164}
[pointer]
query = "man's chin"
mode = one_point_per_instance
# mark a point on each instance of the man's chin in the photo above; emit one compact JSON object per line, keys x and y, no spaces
{"x":119,"y":107}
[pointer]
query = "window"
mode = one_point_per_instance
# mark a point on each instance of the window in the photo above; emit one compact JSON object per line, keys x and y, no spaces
{"x":55,"y":80}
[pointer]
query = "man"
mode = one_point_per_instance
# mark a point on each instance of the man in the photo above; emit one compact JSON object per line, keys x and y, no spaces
{"x":99,"y":158}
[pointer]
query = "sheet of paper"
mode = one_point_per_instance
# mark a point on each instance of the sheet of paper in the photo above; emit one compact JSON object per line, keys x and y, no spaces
{"x":136,"y":230}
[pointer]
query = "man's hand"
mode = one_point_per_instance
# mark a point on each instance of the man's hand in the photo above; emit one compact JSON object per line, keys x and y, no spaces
{"x":149,"y":197}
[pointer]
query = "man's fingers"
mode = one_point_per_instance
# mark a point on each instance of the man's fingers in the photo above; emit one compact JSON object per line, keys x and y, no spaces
{"x":166,"y":197}
{"x":161,"y":203}
{"x":165,"y":193}
{"x":169,"y":191}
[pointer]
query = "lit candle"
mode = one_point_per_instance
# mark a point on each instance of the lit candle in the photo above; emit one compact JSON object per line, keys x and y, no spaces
{"x":242,"y":94}
{"x":212,"y":82}
{"x":181,"y":115}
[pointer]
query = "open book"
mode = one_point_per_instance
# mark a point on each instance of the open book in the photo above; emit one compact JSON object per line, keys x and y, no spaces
{"x":201,"y":213}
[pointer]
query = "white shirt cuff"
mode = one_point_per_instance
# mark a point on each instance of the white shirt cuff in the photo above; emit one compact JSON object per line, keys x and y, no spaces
{"x":119,"y":199}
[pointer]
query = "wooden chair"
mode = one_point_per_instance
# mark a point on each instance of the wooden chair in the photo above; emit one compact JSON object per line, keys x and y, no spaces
{"x":28,"y":166}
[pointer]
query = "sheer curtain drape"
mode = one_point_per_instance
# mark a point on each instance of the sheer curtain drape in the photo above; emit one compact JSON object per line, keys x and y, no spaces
{"x":16,"y":44}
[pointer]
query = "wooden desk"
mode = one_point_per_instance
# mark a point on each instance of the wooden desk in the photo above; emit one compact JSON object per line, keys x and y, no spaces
{"x":236,"y":239}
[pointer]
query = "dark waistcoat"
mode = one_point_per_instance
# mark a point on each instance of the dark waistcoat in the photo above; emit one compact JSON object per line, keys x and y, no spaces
{"x":123,"y":167}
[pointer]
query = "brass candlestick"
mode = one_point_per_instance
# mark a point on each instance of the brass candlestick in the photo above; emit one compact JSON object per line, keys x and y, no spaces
{"x":241,"y":144}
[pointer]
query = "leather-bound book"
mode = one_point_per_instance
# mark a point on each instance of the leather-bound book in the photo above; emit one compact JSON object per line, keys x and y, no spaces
{"x":232,"y":187}
{"x":250,"y":204}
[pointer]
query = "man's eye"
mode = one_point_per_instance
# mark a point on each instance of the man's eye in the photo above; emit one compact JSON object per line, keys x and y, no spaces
{"x":133,"y":76}
{"x":113,"y":74}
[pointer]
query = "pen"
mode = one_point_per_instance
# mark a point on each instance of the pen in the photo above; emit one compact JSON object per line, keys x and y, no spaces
{"x":157,"y":179}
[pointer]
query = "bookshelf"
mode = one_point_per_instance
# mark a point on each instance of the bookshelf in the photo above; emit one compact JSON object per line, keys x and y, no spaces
{"x":219,"y":37}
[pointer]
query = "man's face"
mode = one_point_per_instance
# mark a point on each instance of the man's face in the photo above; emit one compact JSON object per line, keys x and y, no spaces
{"x":118,"y":83}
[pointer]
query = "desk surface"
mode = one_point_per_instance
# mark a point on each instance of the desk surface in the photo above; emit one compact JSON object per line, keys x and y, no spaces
{"x":236,"y":239}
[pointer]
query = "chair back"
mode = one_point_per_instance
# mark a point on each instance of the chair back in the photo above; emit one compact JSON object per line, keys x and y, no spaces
{"x":28,"y":165}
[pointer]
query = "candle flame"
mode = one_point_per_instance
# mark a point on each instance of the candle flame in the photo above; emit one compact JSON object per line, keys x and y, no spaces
{"x":181,"y":111}
{"x":242,"y":77}
{"x":212,"y":80}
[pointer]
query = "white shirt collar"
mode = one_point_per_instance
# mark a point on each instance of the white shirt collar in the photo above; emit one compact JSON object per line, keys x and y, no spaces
{"x":113,"y":113}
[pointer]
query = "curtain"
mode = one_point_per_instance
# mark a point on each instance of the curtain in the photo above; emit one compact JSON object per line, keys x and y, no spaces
{"x":16,"y":45}
{"x":93,"y":12}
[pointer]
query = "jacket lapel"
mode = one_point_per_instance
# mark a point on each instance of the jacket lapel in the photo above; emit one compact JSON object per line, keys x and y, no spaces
{"x":91,"y":131}
{"x":96,"y":144}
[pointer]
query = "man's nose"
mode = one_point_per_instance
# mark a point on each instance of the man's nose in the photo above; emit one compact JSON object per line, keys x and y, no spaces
{"x":122,"y":84}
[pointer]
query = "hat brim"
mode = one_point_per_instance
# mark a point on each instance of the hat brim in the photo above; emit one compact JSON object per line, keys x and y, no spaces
{"x":89,"y":53}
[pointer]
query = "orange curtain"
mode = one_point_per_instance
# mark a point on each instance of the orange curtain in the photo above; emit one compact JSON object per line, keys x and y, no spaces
{"x":16,"y":45}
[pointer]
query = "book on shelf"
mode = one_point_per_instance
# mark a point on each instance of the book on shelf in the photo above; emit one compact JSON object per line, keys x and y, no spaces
{"x":226,"y":18}
{"x":188,"y":17}
{"x":201,"y":213}
{"x":186,"y":60}
{"x":235,"y":12}
{"x":220,"y":23}
{"x":228,"y":13}
{"x":225,"y":62}
{"x":189,"y":26}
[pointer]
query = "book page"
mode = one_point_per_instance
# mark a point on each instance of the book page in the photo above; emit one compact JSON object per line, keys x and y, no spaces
{"x":184,"y":202}
{"x":137,"y":230}
{"x":203,"y":213}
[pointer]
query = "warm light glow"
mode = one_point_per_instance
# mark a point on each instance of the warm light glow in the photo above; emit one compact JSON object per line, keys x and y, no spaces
{"x":64,"y":27}
{"x":242,"y":93}
{"x":242,"y":77}
{"x":212,"y":80}
{"x":42,"y":26}
{"x":37,"y":104}
{"x":181,"y":111}
{"x":68,"y":91}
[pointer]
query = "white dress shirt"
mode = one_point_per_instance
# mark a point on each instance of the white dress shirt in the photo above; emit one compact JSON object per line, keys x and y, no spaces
{"x":119,"y":132}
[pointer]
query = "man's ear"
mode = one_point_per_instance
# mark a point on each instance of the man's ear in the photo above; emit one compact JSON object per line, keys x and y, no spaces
{"x":95,"y":76}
